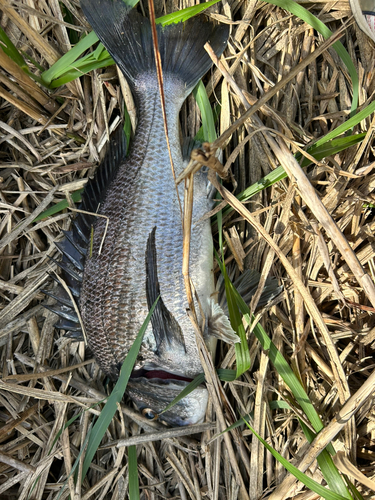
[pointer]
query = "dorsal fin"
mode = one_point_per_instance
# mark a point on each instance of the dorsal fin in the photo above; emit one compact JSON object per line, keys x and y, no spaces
{"x":76,"y":242}
{"x":96,"y":188}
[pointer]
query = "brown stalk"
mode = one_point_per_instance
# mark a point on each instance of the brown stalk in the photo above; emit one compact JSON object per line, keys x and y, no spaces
{"x":17,"y":464}
{"x":37,"y":40}
{"x":49,"y":373}
{"x":157,"y":436}
{"x":188,"y":212}
{"x":216,"y":392}
{"x":27,"y":83}
{"x":30,"y":110}
{"x":266,"y":44}
{"x":266,"y":97}
{"x":309,"y":302}
{"x":39,"y":393}
{"x":327,"y":435}
{"x":315,"y":204}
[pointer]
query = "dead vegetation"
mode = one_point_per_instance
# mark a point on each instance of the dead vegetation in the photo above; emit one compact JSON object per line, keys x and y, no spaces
{"x":313,"y":230}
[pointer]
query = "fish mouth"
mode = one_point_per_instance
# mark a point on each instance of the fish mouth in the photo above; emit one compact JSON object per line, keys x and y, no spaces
{"x":158,"y":374}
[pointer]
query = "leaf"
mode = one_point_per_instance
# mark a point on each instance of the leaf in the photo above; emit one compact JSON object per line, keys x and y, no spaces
{"x":130,"y":3}
{"x":241,"y":349}
{"x":60,"y":206}
{"x":208,"y":120}
{"x":184,"y":14}
{"x":328,"y":468}
{"x":306,"y":480}
{"x":319,"y":150}
{"x":199,"y":379}
{"x":115,"y":397}
{"x":69,"y":66}
{"x":11,"y":51}
{"x":67,"y":59}
{"x":226,"y":375}
{"x":133,"y":473}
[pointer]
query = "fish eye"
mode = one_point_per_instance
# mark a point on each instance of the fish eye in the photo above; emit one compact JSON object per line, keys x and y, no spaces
{"x":149,"y":414}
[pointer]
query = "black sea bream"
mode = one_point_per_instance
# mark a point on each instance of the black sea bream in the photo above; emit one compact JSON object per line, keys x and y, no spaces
{"x":134,"y":253}
{"x":139,"y":254}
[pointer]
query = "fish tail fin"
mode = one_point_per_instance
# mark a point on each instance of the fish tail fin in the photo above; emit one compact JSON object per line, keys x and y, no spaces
{"x":127,"y":36}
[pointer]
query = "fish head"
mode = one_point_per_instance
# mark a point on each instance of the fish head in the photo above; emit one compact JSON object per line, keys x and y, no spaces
{"x":152,"y":396}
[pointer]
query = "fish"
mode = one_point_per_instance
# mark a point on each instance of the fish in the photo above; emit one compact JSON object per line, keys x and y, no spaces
{"x":125,"y":248}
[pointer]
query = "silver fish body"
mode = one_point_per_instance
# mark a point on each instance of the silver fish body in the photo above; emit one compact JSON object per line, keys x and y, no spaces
{"x":143,"y":197}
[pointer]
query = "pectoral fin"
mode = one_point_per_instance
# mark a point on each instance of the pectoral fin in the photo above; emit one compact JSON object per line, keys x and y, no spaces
{"x":218,"y":324}
{"x":167,"y":331}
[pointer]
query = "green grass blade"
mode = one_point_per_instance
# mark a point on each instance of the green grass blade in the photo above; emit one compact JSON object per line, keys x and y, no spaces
{"x":199,"y":379}
{"x":329,"y":470}
{"x":243,"y":360}
{"x":208,"y":120}
{"x":184,"y":14}
{"x":226,"y":375}
{"x":319,"y":150}
{"x":239,"y":422}
{"x":355,"y":493}
{"x":200,"y":136}
{"x":127,"y":128}
{"x":72,"y":74}
{"x":313,"y":21}
{"x":11,"y":51}
{"x":130,"y":3}
{"x":241,"y":349}
{"x":279,"y":404}
{"x":133,"y":473}
{"x":69,"y":58}
{"x":69,"y":66}
{"x":115,"y":397}
{"x":348,"y":125}
{"x":322,"y":149}
{"x":282,"y":367}
{"x":307,"y":481}
{"x":60,"y":206}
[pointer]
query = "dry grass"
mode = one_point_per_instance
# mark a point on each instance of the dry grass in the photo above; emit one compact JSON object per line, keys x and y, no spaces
{"x":314,"y":233}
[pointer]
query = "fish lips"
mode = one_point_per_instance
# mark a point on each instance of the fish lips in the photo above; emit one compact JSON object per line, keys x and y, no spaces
{"x":155,"y":395}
